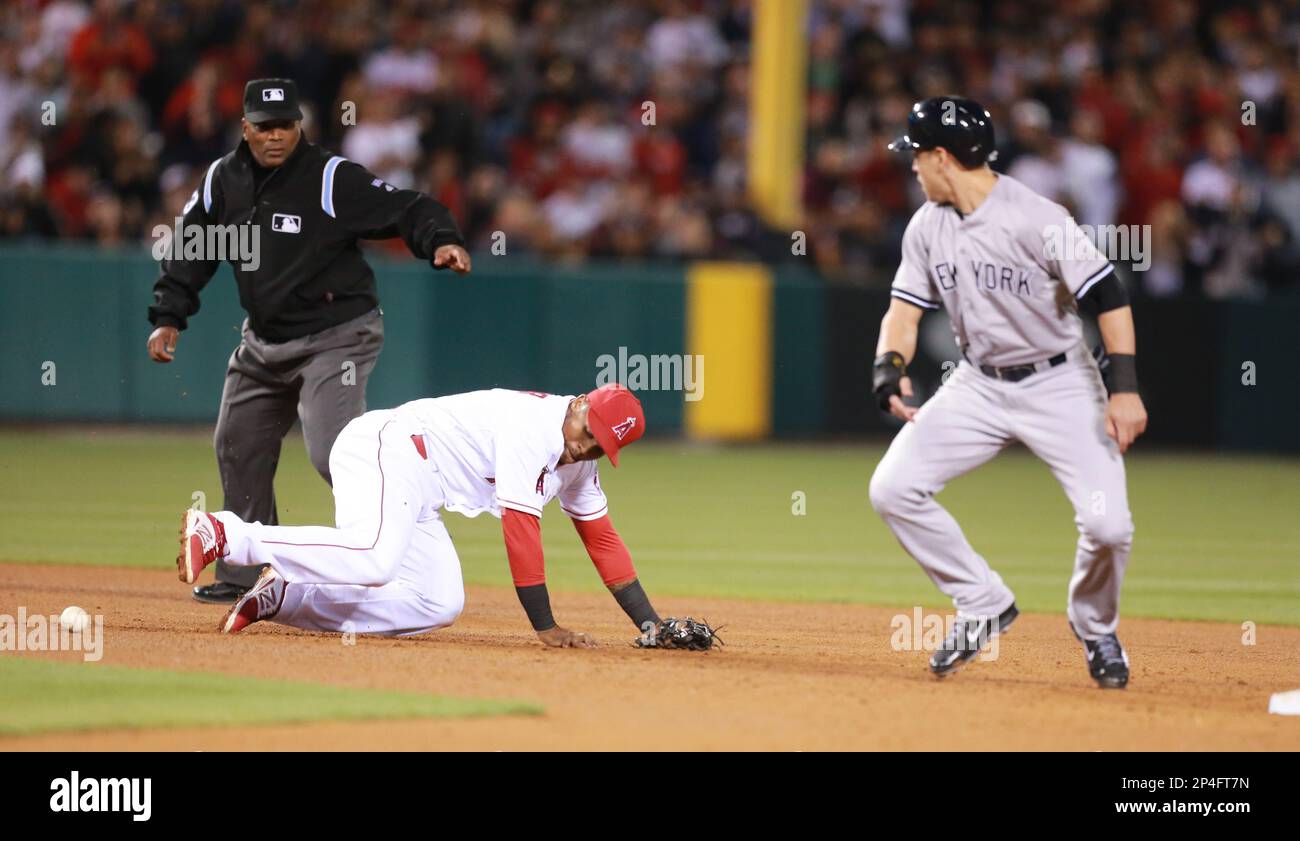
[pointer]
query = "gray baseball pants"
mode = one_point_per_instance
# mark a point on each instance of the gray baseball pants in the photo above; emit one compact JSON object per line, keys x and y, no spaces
{"x":1059,"y":415}
{"x":319,"y":378}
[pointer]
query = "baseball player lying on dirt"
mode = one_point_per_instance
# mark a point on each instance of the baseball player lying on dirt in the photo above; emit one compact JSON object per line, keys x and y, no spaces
{"x":389,"y":566}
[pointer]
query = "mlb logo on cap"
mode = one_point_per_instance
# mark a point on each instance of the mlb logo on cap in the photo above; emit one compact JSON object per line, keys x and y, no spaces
{"x":271,"y":99}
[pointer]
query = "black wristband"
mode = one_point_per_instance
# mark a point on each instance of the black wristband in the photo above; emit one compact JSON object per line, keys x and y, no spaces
{"x":636,"y":604}
{"x":1123,"y":373}
{"x":886,"y":372}
{"x":537,"y":604}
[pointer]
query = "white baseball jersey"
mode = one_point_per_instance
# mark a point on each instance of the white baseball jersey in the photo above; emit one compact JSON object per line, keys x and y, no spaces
{"x":500,"y":449}
{"x":998,"y":271}
{"x":389,"y":565}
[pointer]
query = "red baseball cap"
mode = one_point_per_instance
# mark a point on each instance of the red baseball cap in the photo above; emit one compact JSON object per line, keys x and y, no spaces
{"x":615,"y":418}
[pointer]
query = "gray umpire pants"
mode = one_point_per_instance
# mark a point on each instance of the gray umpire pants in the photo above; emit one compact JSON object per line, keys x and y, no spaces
{"x":320,"y":378}
{"x":1059,"y":414}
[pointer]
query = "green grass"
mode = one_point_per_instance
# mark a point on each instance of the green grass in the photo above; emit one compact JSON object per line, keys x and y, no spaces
{"x":1218,"y":537}
{"x":40,"y":696}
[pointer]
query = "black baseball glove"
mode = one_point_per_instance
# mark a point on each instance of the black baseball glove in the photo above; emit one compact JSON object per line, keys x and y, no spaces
{"x":680,"y":633}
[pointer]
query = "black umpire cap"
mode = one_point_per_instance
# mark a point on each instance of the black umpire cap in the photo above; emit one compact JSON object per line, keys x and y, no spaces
{"x":271,"y":99}
{"x":960,"y":125}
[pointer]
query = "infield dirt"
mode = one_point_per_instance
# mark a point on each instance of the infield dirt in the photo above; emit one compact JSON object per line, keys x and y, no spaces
{"x":792,"y":676}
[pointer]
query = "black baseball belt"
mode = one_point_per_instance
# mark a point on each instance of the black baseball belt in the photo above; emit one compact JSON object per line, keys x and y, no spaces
{"x":1016,"y":373}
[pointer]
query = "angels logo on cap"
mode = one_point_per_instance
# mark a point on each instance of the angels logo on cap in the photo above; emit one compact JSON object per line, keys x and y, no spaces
{"x":623,"y":428}
{"x":604,"y":406}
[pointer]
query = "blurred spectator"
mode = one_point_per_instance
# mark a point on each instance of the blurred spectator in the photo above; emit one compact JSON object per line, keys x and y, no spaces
{"x":683,"y":36}
{"x":21,"y":160}
{"x":199,"y":117}
{"x":1037,"y":158}
{"x":110,"y":39}
{"x":105,"y":219}
{"x":407,"y":65}
{"x":517,"y":213}
{"x":450,"y":120}
{"x":573,"y":210}
{"x":685,"y":231}
{"x":1281,"y":209}
{"x":53,"y":32}
{"x":384,"y":141}
{"x":17,"y":91}
{"x":595,"y":144}
{"x":175,"y":186}
{"x":1219,"y":201}
{"x":1090,"y":171}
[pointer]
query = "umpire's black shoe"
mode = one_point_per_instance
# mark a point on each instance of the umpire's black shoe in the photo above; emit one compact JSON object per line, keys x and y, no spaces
{"x":219,"y":592}
{"x":968,"y":636}
{"x":1107,"y":662}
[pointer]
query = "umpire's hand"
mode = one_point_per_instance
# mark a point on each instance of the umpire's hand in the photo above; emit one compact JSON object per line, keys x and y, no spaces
{"x":162,"y":344}
{"x":451,"y":257}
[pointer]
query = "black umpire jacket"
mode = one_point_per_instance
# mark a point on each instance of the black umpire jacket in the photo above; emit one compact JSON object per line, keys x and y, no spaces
{"x":310,"y":212}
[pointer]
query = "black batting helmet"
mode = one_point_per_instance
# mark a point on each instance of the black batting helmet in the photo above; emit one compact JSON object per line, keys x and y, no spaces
{"x":960,"y":125}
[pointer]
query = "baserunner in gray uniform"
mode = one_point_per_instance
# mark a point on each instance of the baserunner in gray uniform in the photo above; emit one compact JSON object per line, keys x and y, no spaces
{"x":1014,"y":272}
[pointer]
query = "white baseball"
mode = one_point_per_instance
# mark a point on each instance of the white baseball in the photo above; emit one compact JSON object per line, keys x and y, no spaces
{"x":74,"y":619}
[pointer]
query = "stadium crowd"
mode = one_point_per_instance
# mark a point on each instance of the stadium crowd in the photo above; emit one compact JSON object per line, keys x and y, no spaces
{"x":529,"y":117}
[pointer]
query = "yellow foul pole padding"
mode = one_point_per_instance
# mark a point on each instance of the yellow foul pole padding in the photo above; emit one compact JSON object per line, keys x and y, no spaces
{"x":777,"y":84}
{"x":729,"y":330}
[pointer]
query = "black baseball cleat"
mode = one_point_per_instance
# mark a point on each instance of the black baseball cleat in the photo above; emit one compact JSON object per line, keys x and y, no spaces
{"x":219,"y":592}
{"x":968,"y":636}
{"x":1107,"y":662}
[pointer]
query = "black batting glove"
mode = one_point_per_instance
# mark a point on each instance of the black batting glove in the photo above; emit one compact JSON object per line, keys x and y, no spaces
{"x":886,"y":372}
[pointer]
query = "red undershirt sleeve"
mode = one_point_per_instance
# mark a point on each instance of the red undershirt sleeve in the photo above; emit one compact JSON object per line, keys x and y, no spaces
{"x":523,"y":534}
{"x":608,"y":552}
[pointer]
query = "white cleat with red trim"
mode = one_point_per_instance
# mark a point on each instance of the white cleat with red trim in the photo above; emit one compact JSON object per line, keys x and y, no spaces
{"x":262,"y":601}
{"x":203,"y":541}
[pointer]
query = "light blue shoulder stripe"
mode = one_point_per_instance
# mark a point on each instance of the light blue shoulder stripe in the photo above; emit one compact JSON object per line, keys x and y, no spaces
{"x":327,"y":184}
{"x":207,"y":186}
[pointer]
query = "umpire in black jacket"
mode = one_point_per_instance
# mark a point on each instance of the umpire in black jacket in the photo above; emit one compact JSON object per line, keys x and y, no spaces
{"x":309,"y":295}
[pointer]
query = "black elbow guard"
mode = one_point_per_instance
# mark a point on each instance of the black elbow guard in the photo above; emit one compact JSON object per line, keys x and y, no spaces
{"x":1105,"y":295}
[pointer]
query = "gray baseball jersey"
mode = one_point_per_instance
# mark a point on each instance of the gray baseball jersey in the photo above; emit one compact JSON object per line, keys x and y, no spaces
{"x":998,"y":272}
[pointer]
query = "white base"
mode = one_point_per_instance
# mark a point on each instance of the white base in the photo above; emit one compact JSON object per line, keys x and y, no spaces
{"x":1285,"y":703}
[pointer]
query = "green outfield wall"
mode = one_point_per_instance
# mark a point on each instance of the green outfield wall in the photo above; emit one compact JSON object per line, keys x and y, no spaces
{"x":73,"y":331}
